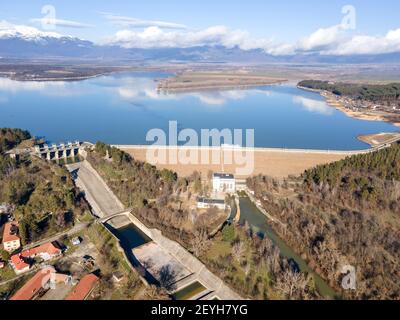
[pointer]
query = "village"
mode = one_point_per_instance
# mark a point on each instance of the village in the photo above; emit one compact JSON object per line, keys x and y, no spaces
{"x":37,"y":263}
{"x":39,"y":260}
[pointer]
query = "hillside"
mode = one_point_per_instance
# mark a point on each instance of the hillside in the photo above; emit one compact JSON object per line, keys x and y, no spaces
{"x":344,"y":213}
{"x":43,"y":195}
{"x":389,"y":92}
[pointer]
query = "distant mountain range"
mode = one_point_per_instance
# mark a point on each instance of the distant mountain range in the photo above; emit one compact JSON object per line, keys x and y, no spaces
{"x":48,"y":46}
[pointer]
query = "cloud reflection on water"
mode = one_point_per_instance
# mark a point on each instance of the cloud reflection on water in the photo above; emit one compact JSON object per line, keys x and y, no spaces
{"x":315,"y":106}
{"x":130,"y":88}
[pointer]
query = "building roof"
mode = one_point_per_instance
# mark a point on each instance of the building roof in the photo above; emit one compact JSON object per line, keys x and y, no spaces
{"x":224,"y":176}
{"x":8,"y":234}
{"x":83,"y":288}
{"x":49,"y":248}
{"x":18,"y":262}
{"x":33,"y":286}
{"x":37,"y":282}
{"x":211,"y":201}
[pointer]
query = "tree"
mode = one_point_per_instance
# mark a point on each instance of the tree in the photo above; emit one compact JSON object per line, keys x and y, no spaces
{"x":200,"y":242}
{"x":293,"y":285}
{"x":155,"y":293}
{"x":238,"y":251}
{"x":4,"y":255}
{"x":168,"y":176}
{"x":228,"y":233}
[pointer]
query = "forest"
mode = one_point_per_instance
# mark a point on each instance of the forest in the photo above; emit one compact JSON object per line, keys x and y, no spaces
{"x":370,"y":92}
{"x":43,"y":195}
{"x":344,"y":213}
{"x":252,"y":266}
{"x":158,"y":197}
{"x":9,"y":138}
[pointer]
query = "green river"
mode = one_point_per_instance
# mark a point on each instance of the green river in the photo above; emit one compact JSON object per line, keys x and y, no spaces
{"x":259,"y":225}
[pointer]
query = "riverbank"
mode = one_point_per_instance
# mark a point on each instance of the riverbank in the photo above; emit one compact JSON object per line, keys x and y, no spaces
{"x":263,"y":226}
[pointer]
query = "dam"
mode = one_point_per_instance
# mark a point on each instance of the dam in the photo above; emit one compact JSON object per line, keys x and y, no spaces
{"x":60,"y":151}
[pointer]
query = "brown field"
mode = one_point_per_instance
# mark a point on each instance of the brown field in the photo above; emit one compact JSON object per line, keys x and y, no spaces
{"x":196,"y":81}
{"x":274,"y":163}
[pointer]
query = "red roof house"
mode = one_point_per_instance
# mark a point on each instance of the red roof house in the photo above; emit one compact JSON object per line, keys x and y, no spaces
{"x":46,"y":251}
{"x":19,"y":263}
{"x":83,"y":288}
{"x":39,"y":284}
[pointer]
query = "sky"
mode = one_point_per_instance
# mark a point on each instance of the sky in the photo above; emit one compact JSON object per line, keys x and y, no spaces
{"x":283,"y":26}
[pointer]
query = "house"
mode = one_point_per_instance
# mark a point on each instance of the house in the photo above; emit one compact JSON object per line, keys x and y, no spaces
{"x":203,"y":203}
{"x":76,"y":241}
{"x":19,"y":263}
{"x":39,"y":284}
{"x":84,"y":288}
{"x":11,"y":240}
{"x":45,"y":251}
{"x":223,"y":182}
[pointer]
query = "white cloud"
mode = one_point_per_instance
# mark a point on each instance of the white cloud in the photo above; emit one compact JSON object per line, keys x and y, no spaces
{"x":362,"y":44}
{"x":321,"y":39}
{"x":128,"y":22}
{"x":60,"y":23}
{"x":334,"y":40}
{"x":155,"y":37}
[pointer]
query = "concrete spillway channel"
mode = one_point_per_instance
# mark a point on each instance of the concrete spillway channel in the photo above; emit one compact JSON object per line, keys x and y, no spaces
{"x":166,"y":261}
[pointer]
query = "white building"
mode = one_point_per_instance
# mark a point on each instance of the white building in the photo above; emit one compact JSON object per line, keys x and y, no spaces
{"x":11,"y":240}
{"x":223,"y":182}
{"x":203,"y":203}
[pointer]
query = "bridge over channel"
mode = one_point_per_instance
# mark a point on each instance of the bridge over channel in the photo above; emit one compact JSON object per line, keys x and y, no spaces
{"x":126,"y":213}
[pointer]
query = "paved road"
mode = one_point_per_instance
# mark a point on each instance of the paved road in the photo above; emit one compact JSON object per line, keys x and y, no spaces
{"x":103,"y":202}
{"x":76,"y":229}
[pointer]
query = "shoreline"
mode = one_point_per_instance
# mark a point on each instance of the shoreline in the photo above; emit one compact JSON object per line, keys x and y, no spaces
{"x":360,"y":115}
{"x":57,"y":79}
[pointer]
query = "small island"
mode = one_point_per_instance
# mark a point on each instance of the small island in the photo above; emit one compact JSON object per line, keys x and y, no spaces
{"x":198,"y":81}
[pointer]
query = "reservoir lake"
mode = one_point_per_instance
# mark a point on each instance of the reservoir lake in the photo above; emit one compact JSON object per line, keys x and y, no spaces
{"x":122,"y":108}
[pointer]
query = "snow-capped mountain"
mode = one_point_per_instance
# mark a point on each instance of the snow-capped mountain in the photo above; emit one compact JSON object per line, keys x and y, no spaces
{"x":8,"y":31}
{"x":28,"y":42}
{"x":23,"y":42}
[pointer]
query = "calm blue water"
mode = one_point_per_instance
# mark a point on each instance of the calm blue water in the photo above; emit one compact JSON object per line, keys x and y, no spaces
{"x":121,"y":108}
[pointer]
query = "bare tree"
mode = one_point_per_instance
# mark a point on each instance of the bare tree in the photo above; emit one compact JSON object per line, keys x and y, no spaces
{"x":293,"y":285}
{"x":155,"y":293}
{"x":238,"y":250}
{"x":200,"y":242}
